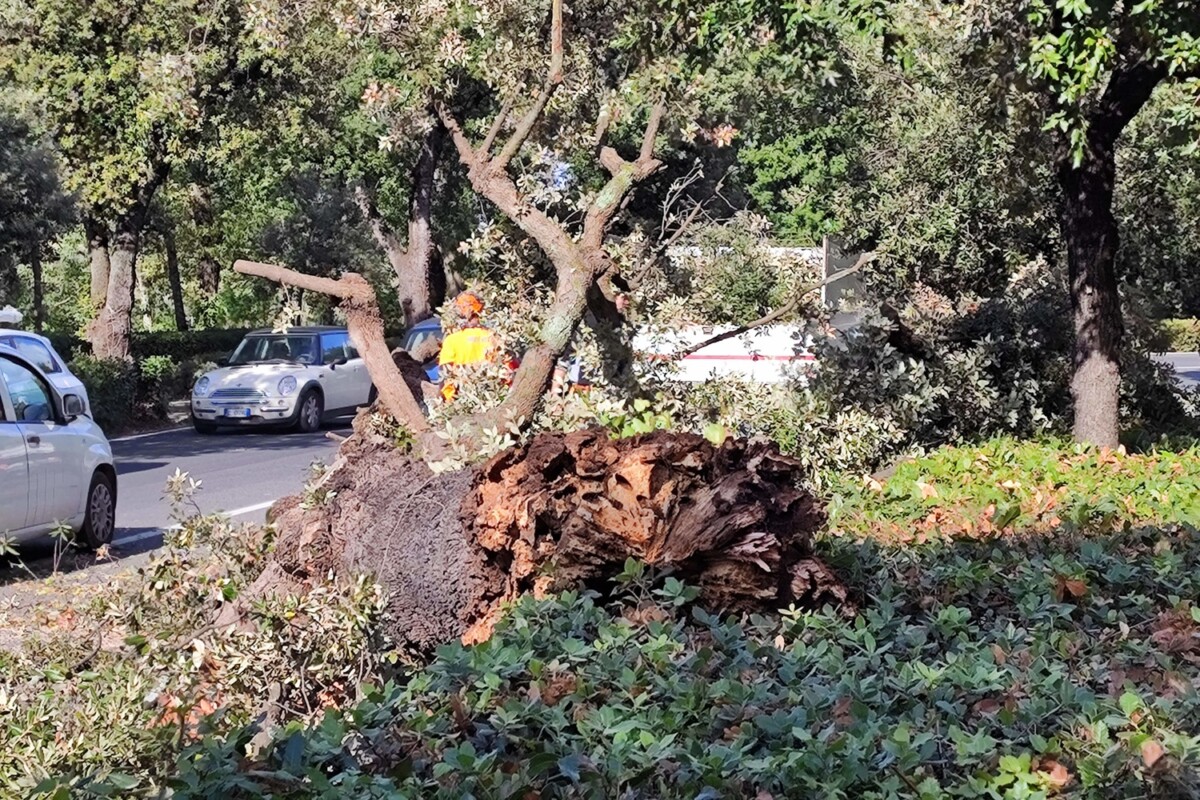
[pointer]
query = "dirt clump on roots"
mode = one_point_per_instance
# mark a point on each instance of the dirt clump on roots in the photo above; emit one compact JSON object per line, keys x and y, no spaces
{"x":560,"y":511}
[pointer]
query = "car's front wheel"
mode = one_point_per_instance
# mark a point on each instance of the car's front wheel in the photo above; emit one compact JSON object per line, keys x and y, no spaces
{"x":100,"y":513}
{"x":310,"y":410}
{"x":204,"y":428}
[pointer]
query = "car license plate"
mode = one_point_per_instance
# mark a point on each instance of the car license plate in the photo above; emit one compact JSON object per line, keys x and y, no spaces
{"x":240,"y":413}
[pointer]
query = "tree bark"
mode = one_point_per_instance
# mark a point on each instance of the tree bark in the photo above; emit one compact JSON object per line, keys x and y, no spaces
{"x":110,"y":331}
{"x":208,"y":267}
{"x":39,"y":294}
{"x":1092,"y":239}
{"x":98,"y":256}
{"x":415,"y":262}
{"x":173,"y":277}
{"x":416,"y":282}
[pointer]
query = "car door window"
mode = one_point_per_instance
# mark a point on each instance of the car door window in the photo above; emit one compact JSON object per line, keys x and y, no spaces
{"x":333,"y":347}
{"x":30,"y":397}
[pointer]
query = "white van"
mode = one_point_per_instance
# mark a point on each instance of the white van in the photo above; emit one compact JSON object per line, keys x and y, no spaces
{"x":770,"y":354}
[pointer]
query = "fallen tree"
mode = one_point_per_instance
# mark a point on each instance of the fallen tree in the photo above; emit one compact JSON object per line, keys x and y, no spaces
{"x":559,"y":512}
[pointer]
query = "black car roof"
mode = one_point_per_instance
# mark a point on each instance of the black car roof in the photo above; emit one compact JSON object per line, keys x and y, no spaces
{"x":300,"y":330}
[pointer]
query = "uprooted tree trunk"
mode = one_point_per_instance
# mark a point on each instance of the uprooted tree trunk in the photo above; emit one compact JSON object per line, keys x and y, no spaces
{"x":562,"y":511}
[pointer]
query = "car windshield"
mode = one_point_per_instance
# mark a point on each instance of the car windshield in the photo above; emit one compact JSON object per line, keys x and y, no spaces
{"x":418,"y":336}
{"x":33,"y":350}
{"x":278,"y":348}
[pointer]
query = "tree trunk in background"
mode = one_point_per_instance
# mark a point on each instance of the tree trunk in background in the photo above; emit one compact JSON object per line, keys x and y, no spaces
{"x":416,"y":282}
{"x":39,"y":294}
{"x":208,"y":267}
{"x":1090,"y":232}
{"x":210,"y":275}
{"x":110,"y":331}
{"x":97,"y":242}
{"x":420,"y":278}
{"x":173,"y":277}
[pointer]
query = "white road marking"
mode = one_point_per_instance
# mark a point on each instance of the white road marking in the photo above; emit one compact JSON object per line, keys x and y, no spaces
{"x":237,"y":512}
{"x":178,"y":429}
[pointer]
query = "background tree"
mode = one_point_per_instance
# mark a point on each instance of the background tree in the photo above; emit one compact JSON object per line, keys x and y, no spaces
{"x":1084,"y":72}
{"x":34,"y":209}
{"x":124,"y":91}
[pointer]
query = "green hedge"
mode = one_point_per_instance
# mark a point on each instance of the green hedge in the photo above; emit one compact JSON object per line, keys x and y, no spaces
{"x":179,"y":345}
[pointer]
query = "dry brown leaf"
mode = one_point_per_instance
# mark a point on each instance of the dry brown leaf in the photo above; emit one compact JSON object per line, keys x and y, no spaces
{"x":1152,"y":751}
{"x":987,"y":706}
{"x":1068,"y":587}
{"x":999,"y":654}
{"x":1056,"y":775}
{"x":841,"y":713}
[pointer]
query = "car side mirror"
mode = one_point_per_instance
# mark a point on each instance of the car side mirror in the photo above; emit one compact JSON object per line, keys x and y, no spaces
{"x":73,"y":406}
{"x":338,"y":362}
{"x":223,"y":362}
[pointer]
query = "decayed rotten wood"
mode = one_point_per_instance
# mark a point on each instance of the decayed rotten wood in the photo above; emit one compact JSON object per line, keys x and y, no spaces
{"x":563,"y":511}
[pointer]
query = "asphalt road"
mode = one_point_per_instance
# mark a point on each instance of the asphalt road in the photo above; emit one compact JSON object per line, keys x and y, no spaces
{"x":241,"y":474}
{"x":1187,"y":366}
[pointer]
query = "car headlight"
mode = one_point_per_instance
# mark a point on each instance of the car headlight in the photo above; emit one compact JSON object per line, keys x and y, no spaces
{"x":287,"y":385}
{"x":201,"y":388}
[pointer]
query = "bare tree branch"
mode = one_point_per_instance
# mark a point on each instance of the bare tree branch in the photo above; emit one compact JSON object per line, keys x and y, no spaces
{"x":466,"y":153}
{"x":485,"y":149}
{"x":365,"y":324}
{"x":779,"y":313}
{"x":553,"y":79}
{"x":656,"y":118}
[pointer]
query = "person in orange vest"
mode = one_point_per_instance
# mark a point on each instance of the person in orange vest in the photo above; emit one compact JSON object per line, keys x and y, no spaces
{"x":470,"y":344}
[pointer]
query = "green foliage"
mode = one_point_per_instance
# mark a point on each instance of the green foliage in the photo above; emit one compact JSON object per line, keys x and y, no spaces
{"x":640,"y":418}
{"x":1032,"y":669}
{"x":162,"y":379}
{"x":33,"y":206}
{"x":184,"y":345}
{"x":1009,"y":485}
{"x":112,"y":386}
{"x":84,"y":722}
{"x":1178,"y":336}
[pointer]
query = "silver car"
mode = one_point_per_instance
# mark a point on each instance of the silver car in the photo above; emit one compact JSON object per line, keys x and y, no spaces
{"x":56,"y":466}
{"x":41,"y":352}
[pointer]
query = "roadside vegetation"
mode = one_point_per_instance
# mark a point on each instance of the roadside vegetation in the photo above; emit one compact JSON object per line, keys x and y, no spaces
{"x":998,"y":484}
{"x":1012,"y":663}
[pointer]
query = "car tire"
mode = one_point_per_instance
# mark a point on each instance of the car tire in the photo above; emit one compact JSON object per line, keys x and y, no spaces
{"x":204,"y":428}
{"x":100,"y":513}
{"x":310,"y":409}
{"x":372,"y":396}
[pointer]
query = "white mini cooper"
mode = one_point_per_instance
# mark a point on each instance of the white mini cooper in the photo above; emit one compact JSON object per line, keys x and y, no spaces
{"x":293,"y":379}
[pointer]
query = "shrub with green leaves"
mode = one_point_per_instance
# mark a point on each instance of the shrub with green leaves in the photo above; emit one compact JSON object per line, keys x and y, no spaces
{"x":1029,"y":669}
{"x":112,"y":386}
{"x":1005,"y":485}
{"x":1178,"y":336}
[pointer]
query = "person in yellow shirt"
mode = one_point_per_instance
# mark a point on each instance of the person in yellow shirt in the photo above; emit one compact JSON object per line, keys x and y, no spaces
{"x":470,"y":344}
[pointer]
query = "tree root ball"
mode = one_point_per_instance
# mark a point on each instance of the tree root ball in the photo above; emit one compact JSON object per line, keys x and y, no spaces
{"x":561,"y":511}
